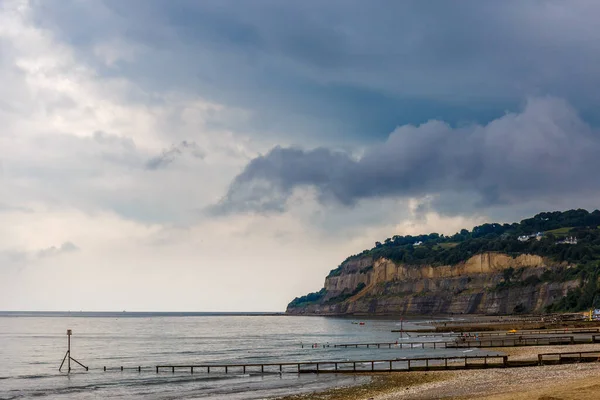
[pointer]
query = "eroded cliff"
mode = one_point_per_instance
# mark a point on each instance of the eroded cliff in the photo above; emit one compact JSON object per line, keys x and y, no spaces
{"x":487,"y":283}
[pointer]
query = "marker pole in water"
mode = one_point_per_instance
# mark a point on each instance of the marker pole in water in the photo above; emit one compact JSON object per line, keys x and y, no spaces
{"x":68,"y":354}
{"x":401,"y":327}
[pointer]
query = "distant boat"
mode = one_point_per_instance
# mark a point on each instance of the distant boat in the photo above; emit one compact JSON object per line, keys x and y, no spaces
{"x":361,"y":323}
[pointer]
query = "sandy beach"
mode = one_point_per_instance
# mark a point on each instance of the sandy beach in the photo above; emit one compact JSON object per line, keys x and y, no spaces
{"x":552,"y":382}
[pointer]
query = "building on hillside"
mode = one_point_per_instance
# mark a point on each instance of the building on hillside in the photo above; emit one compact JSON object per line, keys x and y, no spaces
{"x":539,"y":235}
{"x":417,"y":243}
{"x":568,"y":240}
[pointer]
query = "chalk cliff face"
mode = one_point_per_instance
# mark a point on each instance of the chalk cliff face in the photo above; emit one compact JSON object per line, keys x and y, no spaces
{"x":367,"y":286}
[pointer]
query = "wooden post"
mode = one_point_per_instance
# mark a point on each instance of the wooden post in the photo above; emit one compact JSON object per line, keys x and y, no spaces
{"x":262,"y":368}
{"x":69,"y":348}
{"x":157,"y":369}
{"x":390,"y":366}
{"x":173,"y":369}
{"x":372,"y":366}
{"x":105,"y":368}
{"x":446,"y":363}
{"x":192,"y":370}
{"x":139,"y":368}
{"x":280,"y":367}
{"x":335,"y":366}
{"x":317,"y":367}
{"x":409,"y":364}
{"x":298,"y":368}
{"x":226,"y":369}
{"x":208,"y":369}
{"x":354,"y":366}
{"x":427,"y":364}
{"x":244,"y":369}
{"x":121,"y":368}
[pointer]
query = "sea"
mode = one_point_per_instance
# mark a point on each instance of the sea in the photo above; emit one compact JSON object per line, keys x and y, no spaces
{"x":32,"y":346}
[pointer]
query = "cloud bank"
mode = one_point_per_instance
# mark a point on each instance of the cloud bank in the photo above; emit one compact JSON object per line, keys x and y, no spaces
{"x":544,"y":150}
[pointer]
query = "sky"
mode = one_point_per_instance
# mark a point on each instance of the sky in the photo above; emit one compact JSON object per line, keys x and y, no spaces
{"x":225,"y":155}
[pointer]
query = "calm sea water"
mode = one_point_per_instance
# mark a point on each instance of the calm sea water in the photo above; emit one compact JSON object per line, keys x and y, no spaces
{"x":33,"y":345}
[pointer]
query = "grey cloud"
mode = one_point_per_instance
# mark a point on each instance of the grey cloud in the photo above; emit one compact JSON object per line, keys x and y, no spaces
{"x":12,"y":257}
{"x":349,"y":66}
{"x":66,"y":247}
{"x":545,"y":151}
{"x":169,"y":155}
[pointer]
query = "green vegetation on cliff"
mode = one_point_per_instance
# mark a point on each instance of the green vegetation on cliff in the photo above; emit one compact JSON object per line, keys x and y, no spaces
{"x":436,"y":249}
{"x":311,"y":298}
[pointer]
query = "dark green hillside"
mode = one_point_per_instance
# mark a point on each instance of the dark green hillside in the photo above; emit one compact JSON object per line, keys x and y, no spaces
{"x":437,"y":249}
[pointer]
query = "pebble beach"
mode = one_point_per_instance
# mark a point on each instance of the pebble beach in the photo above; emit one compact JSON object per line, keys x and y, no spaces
{"x":549,"y":382}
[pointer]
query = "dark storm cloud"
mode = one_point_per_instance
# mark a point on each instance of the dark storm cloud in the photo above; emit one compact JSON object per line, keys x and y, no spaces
{"x":544,"y":151}
{"x":169,"y":155}
{"x":348,"y":67}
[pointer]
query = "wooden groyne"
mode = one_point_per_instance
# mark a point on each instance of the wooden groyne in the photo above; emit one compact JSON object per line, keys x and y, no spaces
{"x":560,"y":331}
{"x":377,"y":365}
{"x":568,"y":357}
{"x":396,"y":345}
{"x":517,"y":342}
{"x":471,"y":342}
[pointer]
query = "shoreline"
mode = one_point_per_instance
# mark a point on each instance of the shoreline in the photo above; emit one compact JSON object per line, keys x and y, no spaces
{"x":567,"y":381}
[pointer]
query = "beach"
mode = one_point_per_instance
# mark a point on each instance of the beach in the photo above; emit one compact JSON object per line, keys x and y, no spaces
{"x":548,"y":382}
{"x":552,"y":382}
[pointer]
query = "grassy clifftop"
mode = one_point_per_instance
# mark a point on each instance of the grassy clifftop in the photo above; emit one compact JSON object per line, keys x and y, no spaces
{"x":436,"y":249}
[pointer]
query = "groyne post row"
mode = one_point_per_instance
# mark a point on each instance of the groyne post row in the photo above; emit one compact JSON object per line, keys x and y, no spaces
{"x":411,"y":364}
{"x":470,"y":343}
{"x":568,"y":357}
{"x":426,"y":363}
{"x":559,"y":331}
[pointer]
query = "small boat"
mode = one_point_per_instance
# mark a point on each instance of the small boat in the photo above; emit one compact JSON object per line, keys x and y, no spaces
{"x":361,"y":323}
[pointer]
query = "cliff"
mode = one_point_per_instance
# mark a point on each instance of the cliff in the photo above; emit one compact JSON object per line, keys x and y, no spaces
{"x":486,"y":283}
{"x":550,"y":262}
